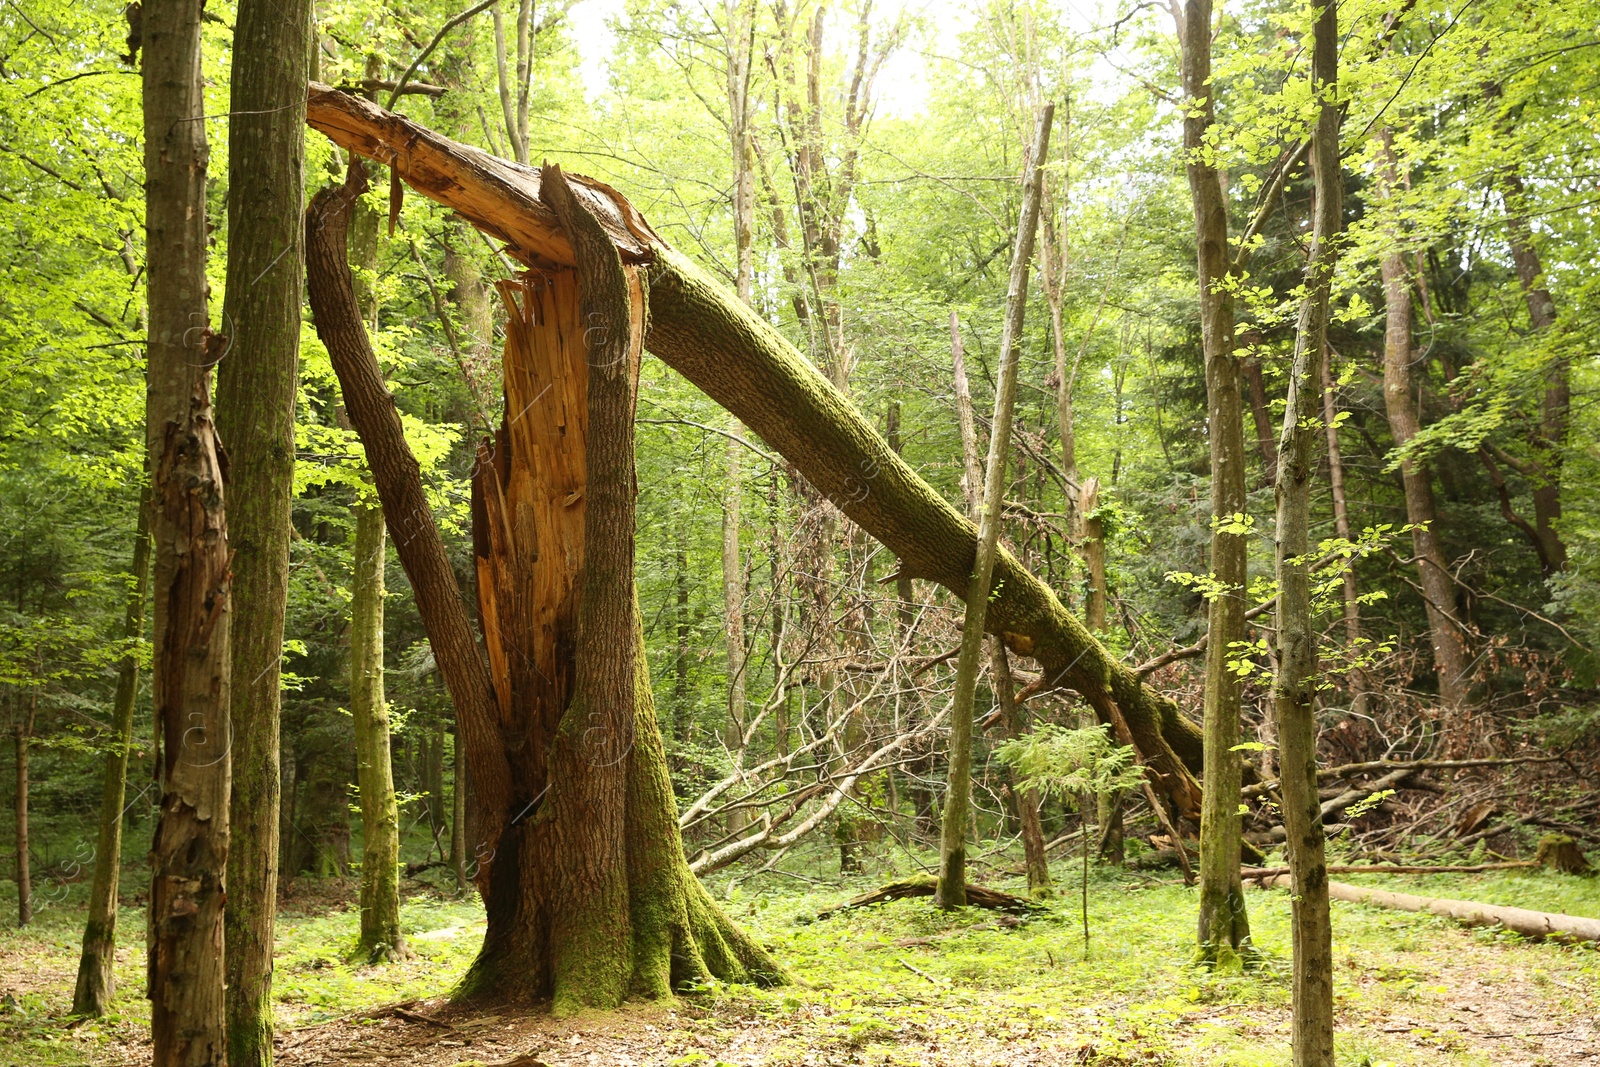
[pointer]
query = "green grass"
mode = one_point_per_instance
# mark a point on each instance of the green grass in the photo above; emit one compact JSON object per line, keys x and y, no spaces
{"x":887,"y":984}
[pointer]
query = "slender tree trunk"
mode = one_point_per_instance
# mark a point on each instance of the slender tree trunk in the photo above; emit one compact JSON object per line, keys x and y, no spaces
{"x":22,"y":737}
{"x":192,"y":560}
{"x":1556,"y":405}
{"x":1341,"y":527}
{"x":398,"y":479}
{"x":381,"y":937}
{"x":682,"y":709}
{"x":256,"y":386}
{"x":1014,"y":722}
{"x":1265,"y":443}
{"x":1094,"y":556}
{"x":1108,"y":804}
{"x":1294,"y":689}
{"x":97,"y":966}
{"x":733,"y":593}
{"x":952,"y":888}
{"x":1224,"y":926}
{"x":740,"y":17}
{"x":1013,"y":717}
{"x":1450,"y":656}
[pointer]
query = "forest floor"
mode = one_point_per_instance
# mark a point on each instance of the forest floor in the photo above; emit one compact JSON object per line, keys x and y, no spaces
{"x":894,"y":984}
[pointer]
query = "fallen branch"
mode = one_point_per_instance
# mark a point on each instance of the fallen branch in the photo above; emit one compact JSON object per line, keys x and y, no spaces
{"x":922,"y":885}
{"x":1348,"y":769}
{"x":1534,"y":924}
{"x":923,"y":974}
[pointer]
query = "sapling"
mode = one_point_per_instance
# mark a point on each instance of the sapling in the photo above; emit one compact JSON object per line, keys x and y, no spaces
{"x":1078,"y":766}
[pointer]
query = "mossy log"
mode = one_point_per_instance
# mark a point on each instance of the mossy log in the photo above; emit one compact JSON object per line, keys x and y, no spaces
{"x":923,"y":885}
{"x":709,"y":336}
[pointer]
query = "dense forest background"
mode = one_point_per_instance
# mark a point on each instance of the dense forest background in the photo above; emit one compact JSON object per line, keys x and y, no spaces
{"x":885,"y":146}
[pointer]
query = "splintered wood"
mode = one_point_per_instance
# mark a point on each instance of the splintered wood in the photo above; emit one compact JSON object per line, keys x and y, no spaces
{"x":528,"y":508}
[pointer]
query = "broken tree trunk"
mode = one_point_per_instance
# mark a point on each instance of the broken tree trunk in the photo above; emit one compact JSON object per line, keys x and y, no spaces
{"x":1535,"y":924}
{"x":743,"y":363}
{"x":588,"y":895}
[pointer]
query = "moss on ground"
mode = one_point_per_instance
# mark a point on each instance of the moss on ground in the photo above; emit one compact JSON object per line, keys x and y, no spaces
{"x":905,"y":983}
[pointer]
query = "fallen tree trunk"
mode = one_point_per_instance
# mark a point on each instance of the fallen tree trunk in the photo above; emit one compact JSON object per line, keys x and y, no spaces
{"x":1535,"y":924}
{"x":726,"y":349}
{"x":1263,"y":873}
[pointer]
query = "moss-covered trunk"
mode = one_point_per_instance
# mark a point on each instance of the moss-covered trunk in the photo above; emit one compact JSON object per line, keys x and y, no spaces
{"x":381,"y":936}
{"x":1223,"y":926}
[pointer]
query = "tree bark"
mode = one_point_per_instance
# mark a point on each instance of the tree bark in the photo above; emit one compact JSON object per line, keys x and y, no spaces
{"x":1356,"y":680}
{"x":1224,"y":926}
{"x":740,"y":30}
{"x":745,"y":365}
{"x":381,"y":937}
{"x":952,"y":888}
{"x":256,"y":387}
{"x":458,"y":816}
{"x":1094,"y":556}
{"x":192,"y":558}
{"x":733,"y":594}
{"x":96,"y":983}
{"x":1535,"y":924}
{"x":1451,"y":661}
{"x":432,"y":744}
{"x":1294,"y":688}
{"x":682,"y":706}
{"x":1257,"y":385}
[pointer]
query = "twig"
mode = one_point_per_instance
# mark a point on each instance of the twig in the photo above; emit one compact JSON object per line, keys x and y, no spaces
{"x":400,"y":86}
{"x":921,"y":973}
